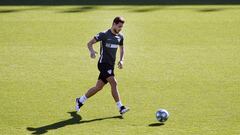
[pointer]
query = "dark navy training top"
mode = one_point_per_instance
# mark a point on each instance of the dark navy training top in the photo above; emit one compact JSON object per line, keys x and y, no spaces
{"x":109,"y":43}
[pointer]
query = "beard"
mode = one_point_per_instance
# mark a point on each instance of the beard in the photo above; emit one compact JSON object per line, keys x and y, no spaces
{"x":116,"y":31}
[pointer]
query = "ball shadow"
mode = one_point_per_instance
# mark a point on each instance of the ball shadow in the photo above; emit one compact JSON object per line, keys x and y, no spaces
{"x":156,"y":124}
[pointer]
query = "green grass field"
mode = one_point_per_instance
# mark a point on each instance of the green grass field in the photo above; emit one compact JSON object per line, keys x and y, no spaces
{"x":185,"y":59}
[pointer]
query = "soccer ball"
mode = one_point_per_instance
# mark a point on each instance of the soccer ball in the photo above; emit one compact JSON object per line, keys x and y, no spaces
{"x":162,"y":115}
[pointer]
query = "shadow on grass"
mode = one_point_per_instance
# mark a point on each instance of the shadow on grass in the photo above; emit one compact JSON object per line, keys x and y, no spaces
{"x":80,"y":9}
{"x":13,"y":10}
{"x":156,"y":124}
{"x":76,"y":119}
{"x":8,"y":11}
{"x":211,"y":9}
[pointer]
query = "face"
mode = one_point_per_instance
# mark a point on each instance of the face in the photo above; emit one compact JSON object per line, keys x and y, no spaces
{"x":117,"y":27}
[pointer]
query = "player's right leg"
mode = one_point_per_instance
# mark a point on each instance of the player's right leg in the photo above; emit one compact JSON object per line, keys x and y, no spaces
{"x":113,"y":82}
{"x":92,"y":91}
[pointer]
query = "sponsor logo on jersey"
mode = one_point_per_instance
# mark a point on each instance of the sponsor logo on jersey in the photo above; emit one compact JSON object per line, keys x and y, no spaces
{"x":108,"y":45}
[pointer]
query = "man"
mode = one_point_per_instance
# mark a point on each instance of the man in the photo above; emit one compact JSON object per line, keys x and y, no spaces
{"x":110,"y":40}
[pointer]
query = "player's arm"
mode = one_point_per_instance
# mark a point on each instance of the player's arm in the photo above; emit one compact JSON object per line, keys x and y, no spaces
{"x":90,"y":48}
{"x":99,"y":37}
{"x":122,"y":51}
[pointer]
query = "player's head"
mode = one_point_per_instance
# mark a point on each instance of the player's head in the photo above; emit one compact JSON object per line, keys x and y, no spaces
{"x":118,"y":24}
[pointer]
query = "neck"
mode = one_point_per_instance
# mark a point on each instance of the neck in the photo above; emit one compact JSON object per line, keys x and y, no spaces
{"x":113,"y":31}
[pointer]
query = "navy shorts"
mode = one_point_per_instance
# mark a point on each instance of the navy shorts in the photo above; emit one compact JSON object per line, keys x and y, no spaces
{"x":106,"y":70}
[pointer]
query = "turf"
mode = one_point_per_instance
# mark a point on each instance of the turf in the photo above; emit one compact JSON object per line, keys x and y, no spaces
{"x":182,"y":58}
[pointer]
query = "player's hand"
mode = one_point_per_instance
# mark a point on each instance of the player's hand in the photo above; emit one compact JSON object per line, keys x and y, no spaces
{"x":93,"y":54}
{"x":120,"y":64}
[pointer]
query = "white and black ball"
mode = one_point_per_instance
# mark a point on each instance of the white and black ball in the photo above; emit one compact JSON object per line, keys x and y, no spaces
{"x":162,"y":115}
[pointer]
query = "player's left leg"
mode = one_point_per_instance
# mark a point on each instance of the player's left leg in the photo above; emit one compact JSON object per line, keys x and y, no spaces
{"x":92,"y":91}
{"x":114,"y":89}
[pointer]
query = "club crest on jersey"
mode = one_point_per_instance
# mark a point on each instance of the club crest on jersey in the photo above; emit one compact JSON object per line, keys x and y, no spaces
{"x":118,"y":38}
{"x":109,"y":71}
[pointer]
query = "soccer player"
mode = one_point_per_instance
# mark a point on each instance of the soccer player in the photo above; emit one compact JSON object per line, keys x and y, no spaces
{"x":110,"y":40}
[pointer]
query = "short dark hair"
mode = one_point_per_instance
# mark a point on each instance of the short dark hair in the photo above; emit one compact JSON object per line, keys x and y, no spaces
{"x":118,"y":19}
